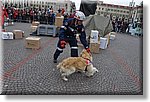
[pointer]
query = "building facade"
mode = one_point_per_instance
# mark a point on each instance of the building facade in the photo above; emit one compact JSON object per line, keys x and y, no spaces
{"x":68,"y":5}
{"x":112,"y":10}
{"x":133,"y":13}
{"x":137,"y":14}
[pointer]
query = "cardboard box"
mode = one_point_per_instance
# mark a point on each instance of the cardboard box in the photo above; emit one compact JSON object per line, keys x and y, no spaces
{"x":35,"y":23}
{"x":94,"y":36}
{"x":103,"y":43}
{"x":18,"y":34}
{"x":94,"y":47}
{"x":113,"y":33}
{"x":33,"y":28}
{"x":59,"y":21}
{"x":112,"y":37}
{"x":7,"y":35}
{"x":108,"y":38}
{"x":58,"y":15}
{"x":94,"y":41}
{"x":33,"y":42}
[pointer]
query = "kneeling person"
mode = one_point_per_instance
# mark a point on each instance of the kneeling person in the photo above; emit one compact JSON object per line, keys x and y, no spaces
{"x":68,"y":35}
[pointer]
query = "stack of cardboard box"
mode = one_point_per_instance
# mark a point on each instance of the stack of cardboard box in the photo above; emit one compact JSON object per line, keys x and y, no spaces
{"x":34,"y":26}
{"x":18,"y":34}
{"x":112,"y":35}
{"x":94,"y":41}
{"x":35,"y":23}
{"x":58,"y":15}
{"x":59,"y":21}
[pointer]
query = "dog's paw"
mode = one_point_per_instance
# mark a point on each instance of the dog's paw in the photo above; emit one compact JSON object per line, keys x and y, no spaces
{"x":88,"y":75}
{"x":96,"y":69}
{"x":65,"y":79}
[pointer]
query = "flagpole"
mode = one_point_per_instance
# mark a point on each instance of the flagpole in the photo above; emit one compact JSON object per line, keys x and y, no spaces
{"x":4,"y":3}
{"x":23,"y":4}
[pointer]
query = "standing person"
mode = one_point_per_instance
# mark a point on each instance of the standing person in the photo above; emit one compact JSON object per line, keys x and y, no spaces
{"x":52,"y":18}
{"x":68,"y":35}
{"x":31,"y":15}
{"x":15,"y":15}
{"x":119,"y":25}
{"x":62,"y":11}
{"x":113,"y":24}
{"x":39,"y":15}
{"x":4,"y":14}
{"x":24,"y":15}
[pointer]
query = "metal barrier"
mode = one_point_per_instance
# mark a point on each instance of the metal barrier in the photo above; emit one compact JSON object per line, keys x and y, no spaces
{"x":47,"y":30}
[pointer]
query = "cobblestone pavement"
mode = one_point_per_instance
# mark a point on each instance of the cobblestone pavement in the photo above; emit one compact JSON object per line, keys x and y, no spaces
{"x":27,"y":71}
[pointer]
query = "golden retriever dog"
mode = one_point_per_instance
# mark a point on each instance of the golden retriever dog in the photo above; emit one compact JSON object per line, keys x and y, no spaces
{"x":75,"y":64}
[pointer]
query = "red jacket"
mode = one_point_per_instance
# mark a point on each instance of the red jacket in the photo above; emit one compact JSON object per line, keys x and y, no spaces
{"x":4,"y":14}
{"x":15,"y":13}
{"x":62,"y":11}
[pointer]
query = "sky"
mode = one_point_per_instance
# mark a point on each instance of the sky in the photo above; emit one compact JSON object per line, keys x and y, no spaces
{"x":117,"y":2}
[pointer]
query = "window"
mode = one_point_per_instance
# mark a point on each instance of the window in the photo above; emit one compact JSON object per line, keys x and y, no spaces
{"x":111,"y":9}
{"x":99,"y":8}
{"x":102,"y":8}
{"x":140,"y":11}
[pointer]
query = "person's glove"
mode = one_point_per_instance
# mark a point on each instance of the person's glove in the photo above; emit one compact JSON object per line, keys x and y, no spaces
{"x":62,"y":44}
{"x":88,"y":50}
{"x":74,"y":31}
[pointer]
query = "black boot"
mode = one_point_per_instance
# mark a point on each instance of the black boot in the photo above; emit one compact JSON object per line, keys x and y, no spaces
{"x":56,"y":54}
{"x":55,"y":61}
{"x":74,"y":52}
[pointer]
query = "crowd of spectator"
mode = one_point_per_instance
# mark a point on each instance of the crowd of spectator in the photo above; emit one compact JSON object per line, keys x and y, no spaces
{"x":124,"y":25}
{"x":120,"y":25}
{"x":43,"y":15}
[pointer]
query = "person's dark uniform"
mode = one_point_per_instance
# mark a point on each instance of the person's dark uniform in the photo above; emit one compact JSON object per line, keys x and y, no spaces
{"x":68,"y":35}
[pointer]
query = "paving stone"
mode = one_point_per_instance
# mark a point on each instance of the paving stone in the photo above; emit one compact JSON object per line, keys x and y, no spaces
{"x":120,"y":68}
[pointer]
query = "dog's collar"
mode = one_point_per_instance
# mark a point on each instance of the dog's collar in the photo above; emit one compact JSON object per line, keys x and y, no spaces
{"x":88,"y":61}
{"x":86,"y":68}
